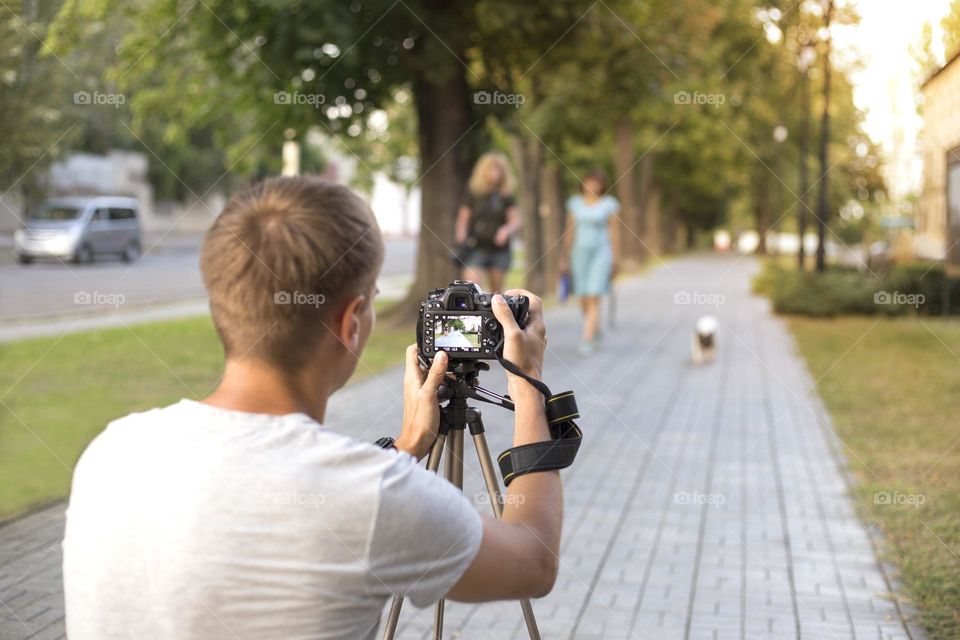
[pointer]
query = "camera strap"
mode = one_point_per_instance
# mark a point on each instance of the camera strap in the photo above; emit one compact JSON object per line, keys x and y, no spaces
{"x":565,"y":436}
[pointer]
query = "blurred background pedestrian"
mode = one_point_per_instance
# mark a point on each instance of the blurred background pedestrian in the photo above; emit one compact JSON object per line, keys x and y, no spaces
{"x":486,"y":221}
{"x":590,"y":250}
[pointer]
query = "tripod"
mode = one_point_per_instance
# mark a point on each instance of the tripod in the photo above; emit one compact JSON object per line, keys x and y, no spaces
{"x":456,"y":417}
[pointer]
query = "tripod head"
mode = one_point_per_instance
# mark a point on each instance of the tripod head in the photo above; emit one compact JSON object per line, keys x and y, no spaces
{"x":462,"y":382}
{"x":466,"y":371}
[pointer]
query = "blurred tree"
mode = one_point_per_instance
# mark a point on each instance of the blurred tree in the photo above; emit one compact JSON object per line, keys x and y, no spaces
{"x":76,"y":54}
{"x":517,"y":45}
{"x":387,"y":142}
{"x":923,"y":54}
{"x":951,"y":30}
{"x":36,"y":97}
{"x":256,"y":71}
{"x":564,"y":86}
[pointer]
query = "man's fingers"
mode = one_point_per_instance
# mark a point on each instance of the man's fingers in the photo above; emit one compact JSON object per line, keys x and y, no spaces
{"x":503,"y":313}
{"x":412,"y":370}
{"x":535,"y":308}
{"x":438,"y":370}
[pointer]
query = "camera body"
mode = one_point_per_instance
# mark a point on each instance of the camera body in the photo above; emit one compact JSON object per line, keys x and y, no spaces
{"x":460,"y":321}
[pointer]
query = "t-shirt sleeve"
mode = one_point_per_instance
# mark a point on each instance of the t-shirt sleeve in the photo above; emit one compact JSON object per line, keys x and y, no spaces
{"x":425,"y":534}
{"x":613,"y":206}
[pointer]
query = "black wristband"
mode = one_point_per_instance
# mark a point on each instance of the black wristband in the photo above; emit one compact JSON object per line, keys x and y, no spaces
{"x":565,"y":436}
{"x":386,"y":443}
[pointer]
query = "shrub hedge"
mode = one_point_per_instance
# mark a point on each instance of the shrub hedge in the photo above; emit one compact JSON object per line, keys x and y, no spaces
{"x":912,"y":288}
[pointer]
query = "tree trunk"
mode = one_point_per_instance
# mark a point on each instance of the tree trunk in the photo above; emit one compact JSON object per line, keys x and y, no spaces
{"x":444,"y":118}
{"x":824,"y":198}
{"x":652,"y":215}
{"x":554,"y":220}
{"x":804,"y":167}
{"x":624,"y":161}
{"x":761,"y":212}
{"x":648,"y":210}
{"x":671,"y":228}
{"x":528,"y":154}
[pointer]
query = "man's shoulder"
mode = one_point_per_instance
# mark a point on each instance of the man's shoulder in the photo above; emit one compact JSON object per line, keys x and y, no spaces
{"x":293,"y":441}
{"x":125,"y":426}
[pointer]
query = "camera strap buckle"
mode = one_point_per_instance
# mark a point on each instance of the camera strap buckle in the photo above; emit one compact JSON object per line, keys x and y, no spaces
{"x":565,"y":436}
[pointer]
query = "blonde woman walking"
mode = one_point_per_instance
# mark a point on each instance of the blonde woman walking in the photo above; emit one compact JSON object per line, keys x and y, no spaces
{"x":487,"y":220}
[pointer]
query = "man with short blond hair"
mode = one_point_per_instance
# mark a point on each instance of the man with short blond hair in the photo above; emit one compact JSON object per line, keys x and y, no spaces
{"x":273,"y":267}
{"x":241,"y":515}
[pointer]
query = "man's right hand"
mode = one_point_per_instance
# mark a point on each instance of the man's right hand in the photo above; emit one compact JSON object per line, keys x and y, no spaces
{"x":523,"y":347}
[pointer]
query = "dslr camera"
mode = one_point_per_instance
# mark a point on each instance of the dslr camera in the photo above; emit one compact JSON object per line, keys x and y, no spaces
{"x":460,"y":321}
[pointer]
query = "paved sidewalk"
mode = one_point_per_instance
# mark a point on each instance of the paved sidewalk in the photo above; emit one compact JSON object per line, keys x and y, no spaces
{"x":707,"y":502}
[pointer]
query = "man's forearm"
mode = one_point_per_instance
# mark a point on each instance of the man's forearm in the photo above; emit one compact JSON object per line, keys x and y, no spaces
{"x":529,"y":413}
{"x":534,"y":500}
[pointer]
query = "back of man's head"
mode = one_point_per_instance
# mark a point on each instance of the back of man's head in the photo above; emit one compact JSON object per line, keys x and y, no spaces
{"x":279,"y":261}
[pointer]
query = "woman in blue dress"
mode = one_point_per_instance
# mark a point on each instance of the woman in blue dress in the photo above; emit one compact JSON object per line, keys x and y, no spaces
{"x":590,"y":250}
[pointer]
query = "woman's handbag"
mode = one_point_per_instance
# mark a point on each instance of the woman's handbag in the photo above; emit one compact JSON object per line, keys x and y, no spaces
{"x":564,"y":287}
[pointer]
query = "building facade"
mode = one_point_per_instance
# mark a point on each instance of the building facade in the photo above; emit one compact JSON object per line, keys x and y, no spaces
{"x":940,"y":145}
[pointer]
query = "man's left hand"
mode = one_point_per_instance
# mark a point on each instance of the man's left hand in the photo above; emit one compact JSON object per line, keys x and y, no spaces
{"x":421,"y":409}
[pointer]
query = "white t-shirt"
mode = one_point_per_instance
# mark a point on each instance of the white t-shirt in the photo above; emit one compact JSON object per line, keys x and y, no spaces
{"x":193,"y":522}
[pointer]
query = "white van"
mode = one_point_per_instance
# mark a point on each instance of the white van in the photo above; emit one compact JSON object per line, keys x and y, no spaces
{"x":80,"y":229}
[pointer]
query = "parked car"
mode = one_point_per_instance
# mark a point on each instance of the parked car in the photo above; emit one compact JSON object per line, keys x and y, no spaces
{"x":80,"y":229}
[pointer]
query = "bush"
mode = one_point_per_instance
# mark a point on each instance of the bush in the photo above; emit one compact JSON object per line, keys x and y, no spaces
{"x":909,"y":288}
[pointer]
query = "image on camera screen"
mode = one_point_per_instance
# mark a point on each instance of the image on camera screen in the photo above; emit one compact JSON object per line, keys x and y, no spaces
{"x":457,"y":333}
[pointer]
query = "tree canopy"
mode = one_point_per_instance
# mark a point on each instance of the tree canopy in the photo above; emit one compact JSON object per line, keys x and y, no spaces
{"x":694,"y":105}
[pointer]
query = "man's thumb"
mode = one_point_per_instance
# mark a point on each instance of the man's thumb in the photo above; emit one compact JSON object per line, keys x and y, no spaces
{"x":438,"y":368}
{"x":503,"y":313}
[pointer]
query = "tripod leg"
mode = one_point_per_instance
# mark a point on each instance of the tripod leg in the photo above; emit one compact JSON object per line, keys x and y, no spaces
{"x":390,"y":630}
{"x":433,"y":463}
{"x":438,"y":621}
{"x":457,"y":478}
{"x":453,"y":470}
{"x":493,"y":490}
{"x":433,"y":460}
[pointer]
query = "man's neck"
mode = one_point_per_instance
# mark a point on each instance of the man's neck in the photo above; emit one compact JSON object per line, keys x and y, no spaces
{"x":255,"y":387}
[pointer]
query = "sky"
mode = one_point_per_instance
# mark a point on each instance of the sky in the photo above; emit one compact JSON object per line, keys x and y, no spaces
{"x":884,"y":85}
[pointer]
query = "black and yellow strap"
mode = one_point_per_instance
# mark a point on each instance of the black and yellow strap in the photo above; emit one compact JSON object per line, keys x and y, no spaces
{"x":565,"y":436}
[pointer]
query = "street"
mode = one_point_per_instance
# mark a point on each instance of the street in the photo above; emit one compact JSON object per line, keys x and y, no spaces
{"x":169,"y":273}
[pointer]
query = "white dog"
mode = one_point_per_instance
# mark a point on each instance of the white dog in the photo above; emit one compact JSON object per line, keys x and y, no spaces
{"x":703,"y":348}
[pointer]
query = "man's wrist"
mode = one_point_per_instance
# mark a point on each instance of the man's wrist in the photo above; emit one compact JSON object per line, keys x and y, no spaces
{"x":521,"y":390}
{"x":416,"y":448}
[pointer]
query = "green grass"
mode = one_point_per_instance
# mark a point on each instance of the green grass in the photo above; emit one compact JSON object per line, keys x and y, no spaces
{"x":57,"y":394}
{"x":894,"y":399}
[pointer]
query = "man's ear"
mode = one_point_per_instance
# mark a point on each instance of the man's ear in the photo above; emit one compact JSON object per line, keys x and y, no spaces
{"x":349,"y":330}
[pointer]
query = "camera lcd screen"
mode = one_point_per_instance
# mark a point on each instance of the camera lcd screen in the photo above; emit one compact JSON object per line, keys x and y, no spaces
{"x":457,"y":333}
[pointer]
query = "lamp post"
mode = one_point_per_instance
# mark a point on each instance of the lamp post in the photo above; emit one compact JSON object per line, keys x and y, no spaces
{"x":824,"y":142}
{"x":290,"y":154}
{"x":805,"y":59}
